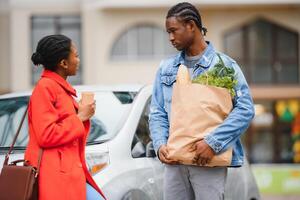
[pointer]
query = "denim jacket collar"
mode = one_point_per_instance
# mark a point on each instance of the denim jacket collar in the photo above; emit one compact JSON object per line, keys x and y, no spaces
{"x":204,"y":61}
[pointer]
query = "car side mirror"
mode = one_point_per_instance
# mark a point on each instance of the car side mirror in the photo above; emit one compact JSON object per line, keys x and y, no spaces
{"x":150,"y":152}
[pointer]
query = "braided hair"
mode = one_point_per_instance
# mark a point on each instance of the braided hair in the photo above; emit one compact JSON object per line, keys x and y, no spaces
{"x":51,"y":50}
{"x":187,"y":12}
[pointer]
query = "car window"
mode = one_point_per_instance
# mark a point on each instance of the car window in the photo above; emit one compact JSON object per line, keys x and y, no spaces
{"x":11,"y":113}
{"x":112,"y":110}
{"x":142,"y":134}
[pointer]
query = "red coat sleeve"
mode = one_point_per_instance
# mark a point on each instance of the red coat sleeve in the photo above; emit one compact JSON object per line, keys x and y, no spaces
{"x":49,"y":127}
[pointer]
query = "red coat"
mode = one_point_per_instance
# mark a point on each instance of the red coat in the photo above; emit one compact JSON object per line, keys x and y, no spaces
{"x":55,"y":127}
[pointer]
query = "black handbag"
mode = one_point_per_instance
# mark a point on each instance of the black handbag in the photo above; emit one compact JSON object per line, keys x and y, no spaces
{"x":19,"y":182}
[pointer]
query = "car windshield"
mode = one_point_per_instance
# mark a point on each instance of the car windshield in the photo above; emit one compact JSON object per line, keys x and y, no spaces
{"x":112,"y":109}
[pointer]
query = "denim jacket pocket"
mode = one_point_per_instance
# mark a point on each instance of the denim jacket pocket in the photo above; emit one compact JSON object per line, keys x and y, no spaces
{"x":168,"y":80}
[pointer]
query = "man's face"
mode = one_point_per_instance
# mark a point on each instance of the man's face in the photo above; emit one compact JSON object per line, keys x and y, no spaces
{"x":180,"y":34}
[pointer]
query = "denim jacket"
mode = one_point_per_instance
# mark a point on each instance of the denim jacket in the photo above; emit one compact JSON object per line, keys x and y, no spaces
{"x":228,"y":133}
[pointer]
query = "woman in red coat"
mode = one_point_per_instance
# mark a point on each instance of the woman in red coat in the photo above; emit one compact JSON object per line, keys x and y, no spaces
{"x":59,"y":125}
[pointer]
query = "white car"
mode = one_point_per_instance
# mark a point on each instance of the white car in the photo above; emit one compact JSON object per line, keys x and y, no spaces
{"x":119,"y":151}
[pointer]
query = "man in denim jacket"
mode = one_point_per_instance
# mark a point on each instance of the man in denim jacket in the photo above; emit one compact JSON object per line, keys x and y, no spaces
{"x":182,"y":182}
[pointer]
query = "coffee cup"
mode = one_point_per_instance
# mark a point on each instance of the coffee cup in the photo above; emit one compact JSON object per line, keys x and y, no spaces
{"x":87,"y":98}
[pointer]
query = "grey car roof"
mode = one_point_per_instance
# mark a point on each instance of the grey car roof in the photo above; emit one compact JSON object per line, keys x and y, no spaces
{"x":87,"y":88}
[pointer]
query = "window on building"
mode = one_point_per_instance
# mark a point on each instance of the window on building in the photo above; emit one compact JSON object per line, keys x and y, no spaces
{"x":142,"y":42}
{"x":267,"y":53}
{"x":47,"y":25}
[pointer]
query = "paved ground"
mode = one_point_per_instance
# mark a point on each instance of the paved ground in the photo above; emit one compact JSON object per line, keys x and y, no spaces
{"x":283,"y":197}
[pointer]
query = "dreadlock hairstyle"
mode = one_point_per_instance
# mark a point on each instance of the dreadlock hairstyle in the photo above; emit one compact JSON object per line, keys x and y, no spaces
{"x":51,"y":50}
{"x":186,"y":12}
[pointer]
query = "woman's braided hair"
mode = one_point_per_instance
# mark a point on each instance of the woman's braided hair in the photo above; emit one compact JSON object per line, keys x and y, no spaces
{"x":51,"y":50}
{"x":186,"y":12}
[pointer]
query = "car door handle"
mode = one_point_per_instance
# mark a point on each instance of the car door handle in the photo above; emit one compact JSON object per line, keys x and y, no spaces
{"x":151,"y":180}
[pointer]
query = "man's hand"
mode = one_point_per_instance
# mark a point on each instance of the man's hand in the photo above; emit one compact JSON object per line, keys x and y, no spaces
{"x":204,"y":153}
{"x":163,"y":155}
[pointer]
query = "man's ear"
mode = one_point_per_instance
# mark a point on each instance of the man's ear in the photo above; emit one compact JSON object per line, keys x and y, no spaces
{"x":191,"y":25}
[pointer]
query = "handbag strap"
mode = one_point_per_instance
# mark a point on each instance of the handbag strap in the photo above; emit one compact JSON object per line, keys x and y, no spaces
{"x":14,"y":141}
{"x":15,"y":138}
{"x":39,"y":162}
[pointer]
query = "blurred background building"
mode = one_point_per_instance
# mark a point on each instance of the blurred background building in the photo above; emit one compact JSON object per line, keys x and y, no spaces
{"x":124,"y":41}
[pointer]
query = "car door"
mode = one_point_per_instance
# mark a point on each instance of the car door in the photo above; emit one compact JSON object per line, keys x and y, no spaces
{"x":142,"y":148}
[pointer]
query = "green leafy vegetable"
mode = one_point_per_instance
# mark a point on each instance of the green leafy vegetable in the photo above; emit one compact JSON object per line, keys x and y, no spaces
{"x":219,"y":76}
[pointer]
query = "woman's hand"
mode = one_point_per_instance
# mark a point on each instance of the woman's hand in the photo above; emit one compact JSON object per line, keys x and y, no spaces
{"x":85,"y":112}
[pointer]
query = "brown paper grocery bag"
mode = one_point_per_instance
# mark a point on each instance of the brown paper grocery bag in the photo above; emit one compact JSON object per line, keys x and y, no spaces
{"x":196,"y":110}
